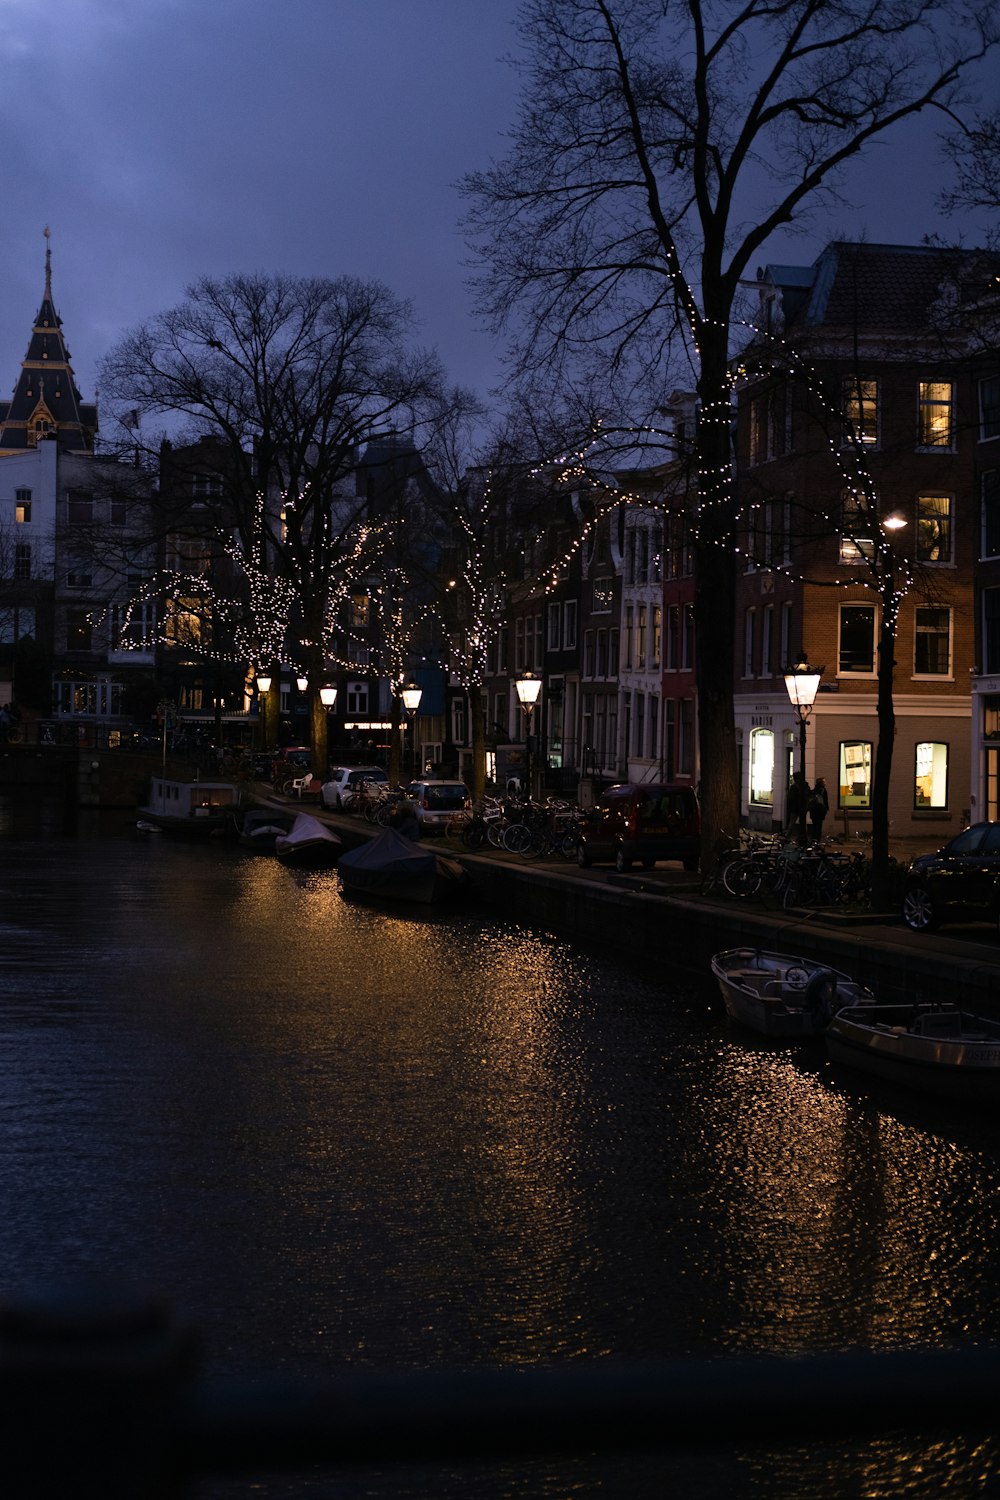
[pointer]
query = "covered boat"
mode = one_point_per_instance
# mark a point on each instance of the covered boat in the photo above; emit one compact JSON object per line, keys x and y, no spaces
{"x":939,"y":1049}
{"x":394,"y":868}
{"x":261,"y":826}
{"x":192,"y":808}
{"x":308,"y":843}
{"x":782,"y":995}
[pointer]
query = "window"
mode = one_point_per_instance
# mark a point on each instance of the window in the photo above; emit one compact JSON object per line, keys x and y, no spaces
{"x":989,"y":408}
{"x":762,"y":767}
{"x":612,"y":653}
{"x":203,"y":485}
{"x":22,"y":506}
{"x":359,"y":611}
{"x":78,"y":630}
{"x":673,"y":638}
{"x":991,"y":631}
{"x":860,"y":407}
{"x":640,"y":722}
{"x":357,"y":700}
{"x":118,"y":510}
{"x":766,"y":640}
{"x":685,"y":737}
{"x":991,"y":513}
{"x":132,"y":629}
{"x":932,"y":645}
{"x":785,"y":636}
{"x":749,"y":626}
{"x":588,"y":653}
{"x":519,"y":645}
{"x":654,"y":705}
{"x":855,"y":527}
{"x":79,"y":507}
{"x":185,"y":623}
{"x":855,"y":773}
{"x":22,"y":560}
{"x":930,"y":788}
{"x":538,"y":652}
{"x":501,"y":715}
{"x":935,"y":417}
{"x":552,"y":642}
{"x":16,"y":624}
{"x":687,"y":637}
{"x":79,"y":574}
{"x":656,"y":639}
{"x":602,"y":653}
{"x":569,"y":625}
{"x":640,"y":636}
{"x":642,"y":557}
{"x":629,"y":634}
{"x":604,"y":594}
{"x":934,"y":528}
{"x":857,"y":639}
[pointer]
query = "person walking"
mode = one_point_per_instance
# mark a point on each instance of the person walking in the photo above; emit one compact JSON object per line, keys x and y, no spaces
{"x":795,"y":802}
{"x":819,"y":806}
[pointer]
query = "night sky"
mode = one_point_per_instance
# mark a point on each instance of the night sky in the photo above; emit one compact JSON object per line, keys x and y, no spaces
{"x":162,"y":140}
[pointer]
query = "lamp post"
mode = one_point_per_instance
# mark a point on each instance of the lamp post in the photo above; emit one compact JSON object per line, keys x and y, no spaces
{"x":528,"y":688}
{"x":411,"y":695}
{"x":802,"y":685}
{"x":263,"y":688}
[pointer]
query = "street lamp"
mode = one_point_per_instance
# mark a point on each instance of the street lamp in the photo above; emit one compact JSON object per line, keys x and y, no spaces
{"x":328,"y":696}
{"x":302,"y":683}
{"x":802,"y":685}
{"x":411,"y":696}
{"x":528,"y":688}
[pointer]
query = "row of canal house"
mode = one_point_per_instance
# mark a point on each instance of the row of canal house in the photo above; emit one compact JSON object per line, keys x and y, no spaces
{"x":868,"y":471}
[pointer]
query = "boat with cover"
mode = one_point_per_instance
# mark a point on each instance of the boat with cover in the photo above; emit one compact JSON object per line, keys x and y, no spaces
{"x":938,"y":1048}
{"x":261,"y":826}
{"x":308,"y":844}
{"x":393,"y":868}
{"x":191,"y":808}
{"x":780,"y":994}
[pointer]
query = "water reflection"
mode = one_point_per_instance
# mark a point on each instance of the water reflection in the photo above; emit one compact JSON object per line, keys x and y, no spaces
{"x":336,"y":1134}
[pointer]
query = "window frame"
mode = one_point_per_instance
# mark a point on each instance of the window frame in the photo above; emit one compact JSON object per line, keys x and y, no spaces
{"x":871,"y":611}
{"x":936,"y":773}
{"x":928,"y":408}
{"x":947,"y":523}
{"x":925,"y":632}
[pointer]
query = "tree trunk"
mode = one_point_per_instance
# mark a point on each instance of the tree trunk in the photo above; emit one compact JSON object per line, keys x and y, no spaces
{"x":477,"y":734}
{"x":715,"y":604}
{"x":395,"y":734}
{"x":882,"y":777}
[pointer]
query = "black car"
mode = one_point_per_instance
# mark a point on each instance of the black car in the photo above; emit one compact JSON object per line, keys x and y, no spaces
{"x":961,"y":882}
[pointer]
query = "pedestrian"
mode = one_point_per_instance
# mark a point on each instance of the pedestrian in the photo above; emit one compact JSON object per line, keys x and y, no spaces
{"x":795,"y":801}
{"x":819,"y":806}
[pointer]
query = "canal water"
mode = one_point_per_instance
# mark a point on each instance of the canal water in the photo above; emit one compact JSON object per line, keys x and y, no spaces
{"x":337,"y":1136}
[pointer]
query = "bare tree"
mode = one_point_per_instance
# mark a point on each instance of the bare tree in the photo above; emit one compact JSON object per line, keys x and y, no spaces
{"x":658,"y":147}
{"x":295,"y":376}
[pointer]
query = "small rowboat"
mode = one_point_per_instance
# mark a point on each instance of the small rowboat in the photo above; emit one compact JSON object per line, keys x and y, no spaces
{"x":939,"y":1049}
{"x":780,"y":994}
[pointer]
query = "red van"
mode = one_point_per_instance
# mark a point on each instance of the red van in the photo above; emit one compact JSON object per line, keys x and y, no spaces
{"x":640,"y":822}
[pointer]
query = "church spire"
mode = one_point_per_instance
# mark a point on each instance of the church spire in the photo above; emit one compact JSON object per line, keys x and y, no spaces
{"x":46,"y":403}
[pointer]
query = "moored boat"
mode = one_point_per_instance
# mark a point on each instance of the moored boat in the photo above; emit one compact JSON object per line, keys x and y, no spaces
{"x":262,"y":826}
{"x":392,"y":868}
{"x":780,"y":994}
{"x":308,"y":844}
{"x":191,"y":808}
{"x":937,"y":1048}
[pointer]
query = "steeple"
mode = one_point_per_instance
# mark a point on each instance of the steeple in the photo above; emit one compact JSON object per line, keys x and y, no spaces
{"x":46,"y":404}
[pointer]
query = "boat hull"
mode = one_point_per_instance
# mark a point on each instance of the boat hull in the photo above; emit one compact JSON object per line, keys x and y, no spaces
{"x":891,"y":1043}
{"x":782,"y":995}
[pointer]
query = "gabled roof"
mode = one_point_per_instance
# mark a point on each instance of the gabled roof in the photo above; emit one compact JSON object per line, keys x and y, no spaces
{"x":46,"y":403}
{"x":891,"y":289}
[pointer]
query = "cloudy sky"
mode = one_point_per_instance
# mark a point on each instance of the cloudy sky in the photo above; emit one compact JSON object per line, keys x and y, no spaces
{"x":166,"y":139}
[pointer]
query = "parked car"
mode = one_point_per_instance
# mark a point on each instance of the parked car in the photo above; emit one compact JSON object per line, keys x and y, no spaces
{"x":339,"y":788}
{"x":640,"y":822}
{"x":959,"y":882}
{"x":290,"y":760}
{"x":436,"y":801}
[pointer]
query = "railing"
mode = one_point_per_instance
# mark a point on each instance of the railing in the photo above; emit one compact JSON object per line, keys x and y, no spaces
{"x":103,"y":1395}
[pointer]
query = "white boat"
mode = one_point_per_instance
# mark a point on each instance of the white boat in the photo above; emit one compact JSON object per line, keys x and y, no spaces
{"x":262,"y":826}
{"x":393,"y":868}
{"x":939,"y":1049}
{"x":782,"y":995}
{"x":192,"y":808}
{"x":308,"y":843}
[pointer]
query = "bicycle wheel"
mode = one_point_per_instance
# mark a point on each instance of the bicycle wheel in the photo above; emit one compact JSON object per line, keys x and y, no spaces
{"x":742,"y":877}
{"x":516,"y":837}
{"x":474,"y":834}
{"x":495,"y":831}
{"x":538,"y":844}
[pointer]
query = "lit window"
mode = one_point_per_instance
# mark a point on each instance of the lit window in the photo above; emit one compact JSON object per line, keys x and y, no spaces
{"x":860,"y":407}
{"x":855,"y":527}
{"x":359,"y":611}
{"x":931,"y":778}
{"x":855,"y":773}
{"x":762,"y":768}
{"x":22,"y":505}
{"x":935,"y":417}
{"x":934,"y":528}
{"x":603,"y":596}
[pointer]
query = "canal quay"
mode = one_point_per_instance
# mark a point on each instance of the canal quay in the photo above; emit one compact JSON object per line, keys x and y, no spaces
{"x":345,"y":1143}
